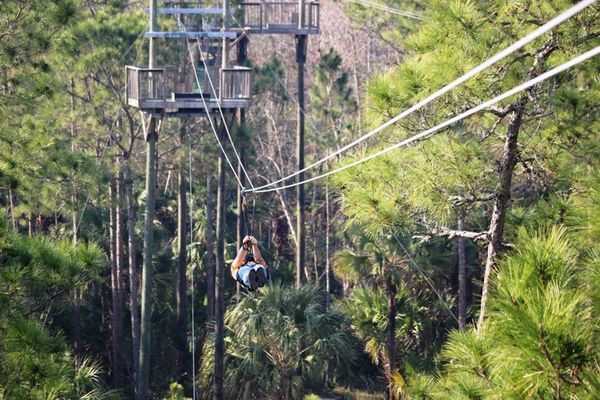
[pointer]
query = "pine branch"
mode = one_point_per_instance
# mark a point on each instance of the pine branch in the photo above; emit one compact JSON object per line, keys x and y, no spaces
{"x":451,"y":234}
{"x":459,"y":201}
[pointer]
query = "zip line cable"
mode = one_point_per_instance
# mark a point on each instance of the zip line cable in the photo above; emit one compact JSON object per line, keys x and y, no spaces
{"x":430,"y":132}
{"x":424,"y":275}
{"x":383,"y":7}
{"x":491,"y":61}
{"x":212,"y":125}
{"x":132,"y":44}
{"x":192,"y":269}
{"x":183,"y":27}
{"x":221,"y":113}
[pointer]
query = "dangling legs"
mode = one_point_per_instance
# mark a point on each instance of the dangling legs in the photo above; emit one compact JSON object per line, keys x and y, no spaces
{"x":262,"y":275}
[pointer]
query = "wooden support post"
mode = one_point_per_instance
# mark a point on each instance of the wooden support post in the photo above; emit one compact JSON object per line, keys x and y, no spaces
{"x":219,"y":274}
{"x":241,"y":228}
{"x":146,"y":317}
{"x":301,"y":14}
{"x":301,"y":42}
{"x":151,"y":136}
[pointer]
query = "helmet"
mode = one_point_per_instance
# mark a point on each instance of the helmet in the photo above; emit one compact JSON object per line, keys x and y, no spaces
{"x":249,"y":258}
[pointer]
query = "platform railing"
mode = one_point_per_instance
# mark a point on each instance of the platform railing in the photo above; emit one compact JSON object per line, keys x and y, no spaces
{"x":163,"y":84}
{"x":145,"y":84}
{"x":273,"y":15}
{"x":236,"y":83}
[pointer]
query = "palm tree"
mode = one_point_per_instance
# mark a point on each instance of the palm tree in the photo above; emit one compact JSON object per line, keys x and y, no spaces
{"x":281,"y":342}
{"x":374,"y":313}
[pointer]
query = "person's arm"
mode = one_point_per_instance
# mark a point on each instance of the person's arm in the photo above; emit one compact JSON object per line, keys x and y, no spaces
{"x":257,"y":255}
{"x":239,"y":259}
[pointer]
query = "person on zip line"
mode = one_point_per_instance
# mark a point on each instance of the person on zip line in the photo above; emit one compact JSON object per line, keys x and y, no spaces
{"x":248,"y":267}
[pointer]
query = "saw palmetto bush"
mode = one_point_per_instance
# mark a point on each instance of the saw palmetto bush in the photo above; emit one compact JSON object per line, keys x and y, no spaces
{"x":281,"y":342}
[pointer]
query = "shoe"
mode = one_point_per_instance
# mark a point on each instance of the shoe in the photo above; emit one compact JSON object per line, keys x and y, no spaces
{"x":253,"y":277}
{"x":262,"y":279}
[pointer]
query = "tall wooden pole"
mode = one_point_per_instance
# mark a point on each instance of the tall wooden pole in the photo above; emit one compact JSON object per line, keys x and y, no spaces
{"x":301,"y":41}
{"x":241,"y":228}
{"x":146,"y":317}
{"x":219,"y":273}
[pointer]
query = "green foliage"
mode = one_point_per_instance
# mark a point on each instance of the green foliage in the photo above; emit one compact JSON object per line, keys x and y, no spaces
{"x":281,"y":342}
{"x":176,"y":392}
{"x":37,"y":276}
{"x":541,"y":338}
{"x":37,"y":365}
{"x":267,"y":78}
{"x":367,"y":309}
{"x":332,"y":101}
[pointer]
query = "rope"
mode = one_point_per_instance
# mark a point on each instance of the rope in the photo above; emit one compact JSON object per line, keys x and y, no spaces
{"x":192,"y":272}
{"x":221,"y":112}
{"x":383,"y":7}
{"x":414,"y":263}
{"x":430,"y":132}
{"x":132,"y":44}
{"x":491,"y":61}
{"x":212,"y":125}
{"x":250,"y":225}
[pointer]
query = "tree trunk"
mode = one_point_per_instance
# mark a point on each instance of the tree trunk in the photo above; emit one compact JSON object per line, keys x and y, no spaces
{"x":12,"y":208}
{"x":118,"y":306}
{"x":287,"y":214}
{"x":113,"y":280}
{"x":390,"y":290}
{"x":115,"y":273}
{"x":219,"y":275}
{"x":76,"y":295}
{"x":505,"y":171}
{"x":301,"y":44}
{"x":502,"y":197}
{"x":327,"y":262}
{"x":133,"y":275}
{"x":181,"y":256}
{"x":462,"y":278}
{"x":314,"y":237}
{"x":210,"y":250}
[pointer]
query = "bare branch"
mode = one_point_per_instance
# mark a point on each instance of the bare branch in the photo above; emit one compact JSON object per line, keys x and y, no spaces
{"x":459,"y":201}
{"x":451,"y":234}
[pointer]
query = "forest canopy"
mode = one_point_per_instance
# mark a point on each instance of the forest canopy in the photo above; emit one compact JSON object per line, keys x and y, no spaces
{"x":462,"y":265}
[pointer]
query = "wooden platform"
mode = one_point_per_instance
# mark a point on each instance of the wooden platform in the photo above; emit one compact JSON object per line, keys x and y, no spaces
{"x":278,"y":17}
{"x":162,"y":91}
{"x":190,"y":35}
{"x":187,"y":107}
{"x":264,"y":17}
